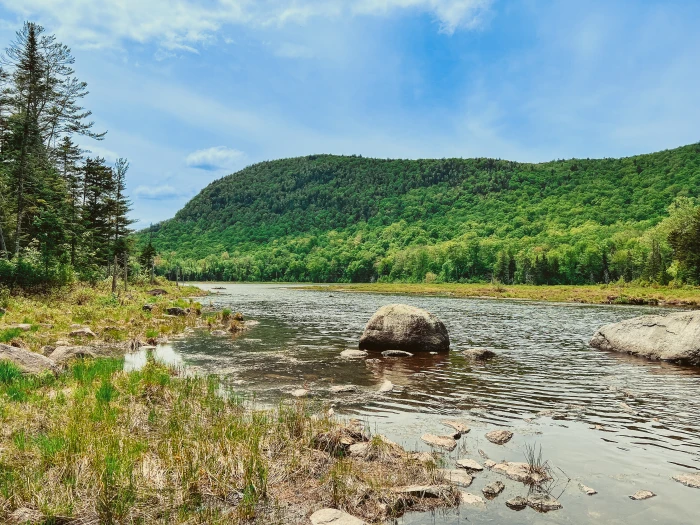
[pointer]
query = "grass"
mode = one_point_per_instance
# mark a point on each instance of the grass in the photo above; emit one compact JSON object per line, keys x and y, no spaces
{"x":99,"y":445}
{"x":116,"y":319}
{"x":591,"y":294}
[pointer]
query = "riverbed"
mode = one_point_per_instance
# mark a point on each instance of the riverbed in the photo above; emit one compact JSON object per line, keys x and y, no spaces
{"x":613,"y":422}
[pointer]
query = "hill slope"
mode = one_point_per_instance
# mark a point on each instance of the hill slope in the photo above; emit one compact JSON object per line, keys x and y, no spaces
{"x":338,"y":218}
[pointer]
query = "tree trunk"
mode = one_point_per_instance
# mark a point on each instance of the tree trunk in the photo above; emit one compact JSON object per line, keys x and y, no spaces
{"x":114,"y":276}
{"x":3,"y":247}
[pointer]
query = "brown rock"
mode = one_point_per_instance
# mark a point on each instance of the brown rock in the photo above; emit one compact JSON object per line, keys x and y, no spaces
{"x":499,"y":437}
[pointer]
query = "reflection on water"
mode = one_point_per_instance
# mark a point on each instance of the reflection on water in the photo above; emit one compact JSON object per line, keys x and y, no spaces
{"x":165,"y":354}
{"x":614,"y":422}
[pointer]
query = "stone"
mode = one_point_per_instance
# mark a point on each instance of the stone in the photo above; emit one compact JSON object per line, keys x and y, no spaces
{"x":689,"y":480}
{"x":460,"y":428}
{"x":587,"y":490}
{"x":517,"y":503}
{"x":358,"y":450}
{"x":177,"y":311}
{"x":147,"y":307}
{"x":471,"y":499}
{"x":219,"y":333}
{"x":520,"y":472}
{"x":24,"y":516}
{"x":157,"y":291}
{"x":63,"y":354}
{"x":342,"y":389}
{"x":499,"y":437}
{"x":403,"y":327}
{"x":642,"y":495}
{"x":300,"y":392}
{"x":489,"y":464}
{"x":47,"y":349}
{"x":423,"y":491}
{"x":396,"y":353}
{"x":673,"y":337}
{"x":25,"y":327}
{"x":83,"y":332}
{"x":479,"y":354}
{"x":493,"y":489}
{"x":353,"y":354}
{"x":457,"y":476}
{"x":469,"y":464}
{"x":334,"y":517}
{"x":386,"y":386}
{"x":446,"y":442}
{"x":543,"y":502}
{"x":28,"y":362}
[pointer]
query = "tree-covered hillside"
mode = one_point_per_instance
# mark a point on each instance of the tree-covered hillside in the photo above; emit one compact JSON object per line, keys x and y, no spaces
{"x":339,"y":218}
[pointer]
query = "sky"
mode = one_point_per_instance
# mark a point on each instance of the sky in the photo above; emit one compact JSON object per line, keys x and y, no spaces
{"x":190,"y":91}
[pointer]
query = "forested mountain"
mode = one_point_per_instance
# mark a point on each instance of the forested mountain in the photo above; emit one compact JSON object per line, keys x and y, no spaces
{"x":349,"y":218}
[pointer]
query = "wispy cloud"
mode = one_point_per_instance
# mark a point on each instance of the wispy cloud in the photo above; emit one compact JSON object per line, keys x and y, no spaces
{"x":216,"y":158}
{"x":158,"y":193}
{"x":185,"y":24}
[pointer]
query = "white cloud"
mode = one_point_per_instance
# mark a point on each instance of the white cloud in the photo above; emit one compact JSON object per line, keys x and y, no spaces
{"x":216,"y":158}
{"x":163,"y":192}
{"x":185,"y":24}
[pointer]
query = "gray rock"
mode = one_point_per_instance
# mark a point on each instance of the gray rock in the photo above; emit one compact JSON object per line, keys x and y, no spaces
{"x":353,"y":354}
{"x":673,"y":337}
{"x":519,"y":472}
{"x":460,"y":428}
{"x":587,"y":490}
{"x":63,"y":354}
{"x":403,"y":327}
{"x":300,"y":392}
{"x":479,"y":354}
{"x":499,"y":437}
{"x":446,"y":442}
{"x":469,"y":464}
{"x":157,"y":291}
{"x":334,"y":517}
{"x":642,"y":495}
{"x":543,"y":502}
{"x":689,"y":480}
{"x":489,"y":464}
{"x":25,"y":327}
{"x":457,"y":476}
{"x":471,"y":499}
{"x":516,"y":503}
{"x":28,"y":362}
{"x":83,"y":332}
{"x":396,"y":353}
{"x":493,"y":489}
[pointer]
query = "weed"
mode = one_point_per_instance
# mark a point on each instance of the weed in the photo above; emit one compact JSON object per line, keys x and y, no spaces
{"x":9,"y":372}
{"x":9,"y":334}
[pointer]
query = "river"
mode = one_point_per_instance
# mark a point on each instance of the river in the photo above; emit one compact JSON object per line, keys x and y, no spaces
{"x":612,"y":422}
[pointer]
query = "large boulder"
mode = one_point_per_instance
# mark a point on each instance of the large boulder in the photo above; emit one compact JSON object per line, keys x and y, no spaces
{"x":62,"y":354}
{"x":674,"y":337}
{"x":28,"y":362}
{"x":403,"y":327}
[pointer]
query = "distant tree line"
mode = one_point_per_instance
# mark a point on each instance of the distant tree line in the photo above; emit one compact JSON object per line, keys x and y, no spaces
{"x":63,"y":215}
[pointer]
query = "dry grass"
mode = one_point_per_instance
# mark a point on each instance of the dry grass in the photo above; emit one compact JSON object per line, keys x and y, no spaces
{"x":115,"y":318}
{"x":591,"y":294}
{"x":98,"y":445}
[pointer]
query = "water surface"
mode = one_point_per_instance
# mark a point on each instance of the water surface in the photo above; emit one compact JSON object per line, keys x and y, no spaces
{"x":620,"y":424}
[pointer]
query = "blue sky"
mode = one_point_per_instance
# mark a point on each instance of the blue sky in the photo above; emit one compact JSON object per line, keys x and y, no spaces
{"x":192,"y":91}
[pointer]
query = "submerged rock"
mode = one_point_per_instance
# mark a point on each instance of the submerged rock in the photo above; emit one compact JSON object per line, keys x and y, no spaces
{"x":353,"y":354}
{"x":460,"y":428}
{"x":403,"y":327}
{"x":642,"y":495}
{"x":334,"y":517}
{"x":689,"y":480}
{"x":587,"y":490}
{"x":543,"y":502}
{"x":499,"y":437}
{"x":396,"y":353}
{"x":522,"y":472}
{"x":446,"y":442}
{"x":28,"y":362}
{"x":479,"y":354}
{"x":673,"y":337}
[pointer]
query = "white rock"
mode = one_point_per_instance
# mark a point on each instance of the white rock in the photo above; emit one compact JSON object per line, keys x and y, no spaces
{"x":338,"y":389}
{"x":689,"y":480}
{"x":469,"y":464}
{"x":387,"y":386}
{"x":642,"y":495}
{"x":519,"y":472}
{"x":300,"y":392}
{"x":353,"y":354}
{"x":457,"y":476}
{"x":83,"y":332}
{"x":430,"y":491}
{"x":587,"y":490}
{"x":472,"y":499}
{"x":334,"y":517}
{"x":459,"y":427}
{"x":446,"y":442}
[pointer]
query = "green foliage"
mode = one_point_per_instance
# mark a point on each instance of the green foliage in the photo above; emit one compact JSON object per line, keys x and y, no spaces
{"x":9,"y":334}
{"x":9,"y":372}
{"x":351,"y":219}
